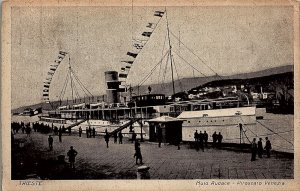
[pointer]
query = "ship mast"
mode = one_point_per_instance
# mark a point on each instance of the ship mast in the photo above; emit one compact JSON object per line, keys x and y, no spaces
{"x":170,"y":54}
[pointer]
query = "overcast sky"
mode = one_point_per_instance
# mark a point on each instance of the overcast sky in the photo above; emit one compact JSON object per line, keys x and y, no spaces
{"x":229,"y":39}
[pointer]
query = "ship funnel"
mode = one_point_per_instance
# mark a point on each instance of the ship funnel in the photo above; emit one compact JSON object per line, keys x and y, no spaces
{"x":112,"y":86}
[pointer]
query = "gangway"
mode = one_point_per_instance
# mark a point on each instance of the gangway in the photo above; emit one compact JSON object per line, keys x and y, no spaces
{"x":77,"y":123}
{"x":132,"y":121}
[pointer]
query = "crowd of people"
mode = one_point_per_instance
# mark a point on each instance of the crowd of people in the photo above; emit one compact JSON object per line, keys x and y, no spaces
{"x":258,"y":149}
{"x":201,"y":140}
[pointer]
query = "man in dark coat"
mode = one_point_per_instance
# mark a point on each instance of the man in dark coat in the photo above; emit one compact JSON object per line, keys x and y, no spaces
{"x":201,"y":138}
{"x":115,"y":137}
{"x":120,"y":137}
{"x":253,"y":149}
{"x":259,"y":148}
{"x":215,"y":137}
{"x":106,"y":138}
{"x":50,"y":141}
{"x":159,"y":136}
{"x":87,"y":132}
{"x":138,"y":154}
{"x":94,"y":132}
{"x":205,"y":136}
{"x":196,"y":136}
{"x":268,"y":147}
{"x":59,"y":134}
{"x":72,"y":154}
{"x":80,"y":131}
{"x":69,"y":130}
{"x":133,"y":137}
{"x":220,"y":138}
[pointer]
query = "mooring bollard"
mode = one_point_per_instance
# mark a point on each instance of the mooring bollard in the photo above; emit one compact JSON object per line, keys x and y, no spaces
{"x":143,"y":172}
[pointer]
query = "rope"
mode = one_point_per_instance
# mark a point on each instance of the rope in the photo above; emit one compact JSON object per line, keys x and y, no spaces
{"x":275,"y":133}
{"x":195,"y":55}
{"x":180,"y":84}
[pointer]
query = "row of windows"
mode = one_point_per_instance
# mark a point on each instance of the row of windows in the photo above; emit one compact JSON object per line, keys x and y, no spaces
{"x":207,"y":121}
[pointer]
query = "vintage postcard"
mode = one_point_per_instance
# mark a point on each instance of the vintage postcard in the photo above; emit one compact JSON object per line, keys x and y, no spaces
{"x":150,"y":95}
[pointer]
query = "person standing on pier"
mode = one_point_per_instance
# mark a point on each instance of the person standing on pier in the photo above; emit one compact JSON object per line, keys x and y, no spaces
{"x":115,"y":137}
{"x":253,"y":149}
{"x":205,"y":136}
{"x":59,"y":134}
{"x":196,"y":136}
{"x":80,"y":131}
{"x":133,"y":137}
{"x":28,"y":130}
{"x":87,"y":132}
{"x":138,"y":154}
{"x":159,"y":136}
{"x":106,"y":138}
{"x":50,"y":141}
{"x":69,"y":130}
{"x":220,"y":138}
{"x":120,"y":137}
{"x":215,"y":137}
{"x":260,"y":148}
{"x":268,"y":147}
{"x":72,"y":153}
{"x":90,"y":132}
{"x":94,"y":132}
{"x":201,"y":138}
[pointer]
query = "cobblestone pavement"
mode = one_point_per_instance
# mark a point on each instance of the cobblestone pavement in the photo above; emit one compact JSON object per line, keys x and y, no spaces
{"x":96,"y":161}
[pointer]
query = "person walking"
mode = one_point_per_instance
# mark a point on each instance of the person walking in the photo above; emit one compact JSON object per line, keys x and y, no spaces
{"x":80,"y":131}
{"x":253,"y":149}
{"x":90,"y":132}
{"x":220,"y":138}
{"x":205,"y":137}
{"x":259,"y":148}
{"x":60,"y":134}
{"x":268,"y":147}
{"x":50,"y":141}
{"x":215,"y":137}
{"x":72,"y":153}
{"x":138,"y":154}
{"x":106,"y":138}
{"x":120,"y":137}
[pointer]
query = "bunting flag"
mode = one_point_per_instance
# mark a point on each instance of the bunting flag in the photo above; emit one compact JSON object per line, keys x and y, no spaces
{"x":122,"y":69}
{"x":128,"y":67}
{"x":159,"y":13}
{"x":45,"y":90}
{"x":128,"y":62}
{"x":49,"y":73}
{"x":151,"y":25}
{"x":54,"y":65}
{"x":134,"y":55}
{"x":123,"y":75}
{"x":46,"y":86}
{"x":57,"y":61}
{"x":53,"y":69}
{"x":45,"y":94}
{"x":138,"y":46}
{"x":147,"y":34}
{"x":60,"y":57}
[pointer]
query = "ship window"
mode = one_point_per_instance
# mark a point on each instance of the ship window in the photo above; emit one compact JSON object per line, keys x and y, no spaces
{"x":164,"y":106}
{"x":199,"y":121}
{"x":188,"y":121}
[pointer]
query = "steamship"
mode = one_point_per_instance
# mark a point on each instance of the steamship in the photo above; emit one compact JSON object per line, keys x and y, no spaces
{"x":225,"y":115}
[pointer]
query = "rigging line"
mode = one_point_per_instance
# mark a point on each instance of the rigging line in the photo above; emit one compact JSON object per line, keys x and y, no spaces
{"x":165,"y":71}
{"x":76,"y":91}
{"x":64,"y":87}
{"x":189,"y":63}
{"x":79,"y":82}
{"x":243,"y":123}
{"x":162,"y":52}
{"x":275,"y":133}
{"x":143,"y":80}
{"x":66,"y":81}
{"x":71,"y":85}
{"x":80,"y":85}
{"x":180,"y":84}
{"x":195,"y":55}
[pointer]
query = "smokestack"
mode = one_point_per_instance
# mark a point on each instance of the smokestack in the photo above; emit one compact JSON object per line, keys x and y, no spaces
{"x":112,"y":86}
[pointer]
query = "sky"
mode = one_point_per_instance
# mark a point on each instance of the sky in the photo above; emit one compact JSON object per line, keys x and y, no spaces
{"x":229,"y":40}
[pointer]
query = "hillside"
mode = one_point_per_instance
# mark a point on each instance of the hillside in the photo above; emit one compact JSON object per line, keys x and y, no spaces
{"x":193,"y":83}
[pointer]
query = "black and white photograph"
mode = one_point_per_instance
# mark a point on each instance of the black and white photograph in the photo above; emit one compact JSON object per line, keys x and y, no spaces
{"x":138,"y":91}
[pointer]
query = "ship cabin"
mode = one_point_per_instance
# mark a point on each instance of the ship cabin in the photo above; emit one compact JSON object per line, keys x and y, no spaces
{"x":149,"y":100}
